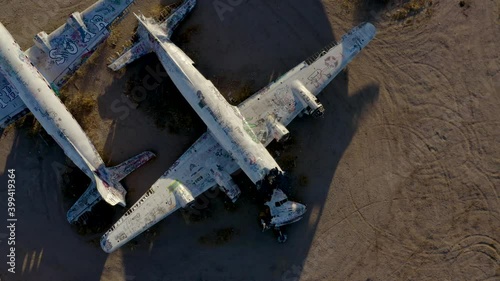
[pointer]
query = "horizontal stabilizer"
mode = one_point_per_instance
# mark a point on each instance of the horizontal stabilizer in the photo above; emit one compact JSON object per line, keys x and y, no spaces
{"x":112,"y":175}
{"x":84,"y":204}
{"x":180,"y":13}
{"x":138,"y":50}
{"x":147,"y":26}
{"x":122,"y":170}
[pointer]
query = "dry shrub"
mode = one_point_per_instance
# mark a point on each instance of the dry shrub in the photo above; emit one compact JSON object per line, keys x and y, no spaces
{"x":29,"y":123}
{"x":160,"y":12}
{"x":114,"y":38}
{"x":411,"y":8}
{"x":82,"y":107}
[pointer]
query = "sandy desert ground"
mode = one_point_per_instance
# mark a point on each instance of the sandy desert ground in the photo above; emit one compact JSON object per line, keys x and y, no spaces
{"x":401,"y":176}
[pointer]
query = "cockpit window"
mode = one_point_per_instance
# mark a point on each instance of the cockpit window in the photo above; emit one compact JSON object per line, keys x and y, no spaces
{"x":279,"y":203}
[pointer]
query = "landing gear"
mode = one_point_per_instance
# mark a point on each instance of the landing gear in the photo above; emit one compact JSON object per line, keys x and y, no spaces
{"x":265,"y":219}
{"x":264,"y":225}
{"x":281,"y":236}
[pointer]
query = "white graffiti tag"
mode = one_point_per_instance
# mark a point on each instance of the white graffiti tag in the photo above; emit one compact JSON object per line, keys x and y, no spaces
{"x":61,"y":53}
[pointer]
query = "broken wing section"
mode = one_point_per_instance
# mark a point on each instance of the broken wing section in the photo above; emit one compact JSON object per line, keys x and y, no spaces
{"x":271,"y":109}
{"x":189,"y":176}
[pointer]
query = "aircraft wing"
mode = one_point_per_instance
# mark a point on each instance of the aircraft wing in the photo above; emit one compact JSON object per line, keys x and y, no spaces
{"x":280,"y":102}
{"x":189,"y":176}
{"x":59,"y":54}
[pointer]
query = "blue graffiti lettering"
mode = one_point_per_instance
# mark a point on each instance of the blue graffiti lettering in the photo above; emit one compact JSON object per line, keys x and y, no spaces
{"x":99,"y":22}
{"x":86,"y":35}
{"x":9,"y":93}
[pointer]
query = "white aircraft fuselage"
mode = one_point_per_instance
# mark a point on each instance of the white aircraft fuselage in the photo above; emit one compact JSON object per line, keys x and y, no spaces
{"x":48,"y":109}
{"x":223,"y":120}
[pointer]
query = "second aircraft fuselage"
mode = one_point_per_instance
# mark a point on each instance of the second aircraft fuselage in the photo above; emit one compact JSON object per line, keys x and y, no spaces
{"x":223,"y":120}
{"x":48,"y":109}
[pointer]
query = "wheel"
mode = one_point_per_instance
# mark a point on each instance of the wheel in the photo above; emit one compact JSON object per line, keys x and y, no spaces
{"x":282,"y":237}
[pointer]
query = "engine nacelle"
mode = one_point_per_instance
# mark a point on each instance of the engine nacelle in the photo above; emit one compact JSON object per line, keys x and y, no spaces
{"x":226,"y":183}
{"x":182,"y":193}
{"x":279,"y":132}
{"x":314,"y":107}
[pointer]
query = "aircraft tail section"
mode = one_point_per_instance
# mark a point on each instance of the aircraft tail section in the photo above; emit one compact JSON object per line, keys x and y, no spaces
{"x":106,"y":185}
{"x":147,"y":26}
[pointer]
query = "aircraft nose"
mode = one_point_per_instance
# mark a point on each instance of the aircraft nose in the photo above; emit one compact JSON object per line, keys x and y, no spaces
{"x":300,"y":209}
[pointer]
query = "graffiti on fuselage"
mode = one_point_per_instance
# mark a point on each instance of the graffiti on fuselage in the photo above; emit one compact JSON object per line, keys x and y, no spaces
{"x":106,"y":10}
{"x":99,"y":22}
{"x":283,"y":99}
{"x":7,"y":95}
{"x":66,"y":46}
{"x":85,"y":35}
